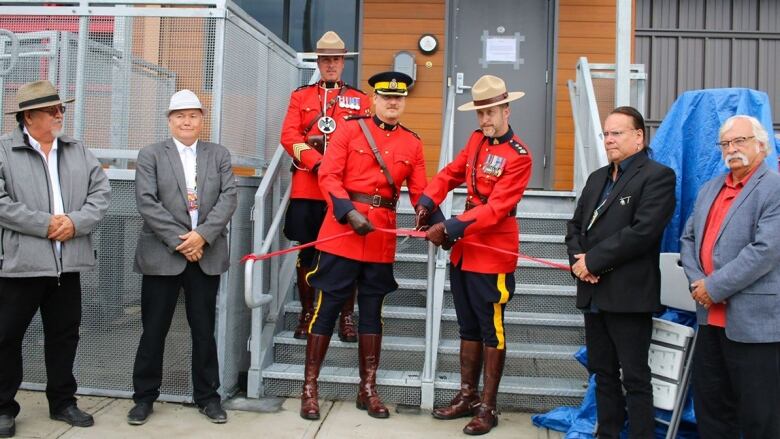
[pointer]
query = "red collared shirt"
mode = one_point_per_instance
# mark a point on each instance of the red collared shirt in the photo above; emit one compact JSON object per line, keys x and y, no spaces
{"x":720,"y":208}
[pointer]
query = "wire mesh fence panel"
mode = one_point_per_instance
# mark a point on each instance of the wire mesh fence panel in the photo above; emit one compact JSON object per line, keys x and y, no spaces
{"x":122,"y":70}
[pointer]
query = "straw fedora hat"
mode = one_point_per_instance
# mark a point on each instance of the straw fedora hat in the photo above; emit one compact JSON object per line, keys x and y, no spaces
{"x":38,"y":94}
{"x":489,"y":91}
{"x":331,"y":44}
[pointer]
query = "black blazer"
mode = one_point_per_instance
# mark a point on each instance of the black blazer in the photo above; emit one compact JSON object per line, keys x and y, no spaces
{"x":623,"y":244}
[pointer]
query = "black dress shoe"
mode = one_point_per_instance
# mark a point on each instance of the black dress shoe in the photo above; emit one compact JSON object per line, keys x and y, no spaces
{"x":213,"y":410}
{"x":74,"y":416}
{"x":139,"y":414}
{"x":7,"y":426}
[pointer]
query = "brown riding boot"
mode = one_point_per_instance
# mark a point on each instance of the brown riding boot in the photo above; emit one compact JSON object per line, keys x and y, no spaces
{"x":369,"y":347}
{"x":486,"y":416}
{"x":307,"y":304}
{"x":467,"y":399}
{"x":347,"y":331}
{"x":316,"y":347}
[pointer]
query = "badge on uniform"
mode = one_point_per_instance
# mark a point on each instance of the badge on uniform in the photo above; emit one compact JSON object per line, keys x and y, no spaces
{"x":494,"y":165}
{"x":326,"y":124}
{"x":351,"y":102}
{"x":625,"y":200}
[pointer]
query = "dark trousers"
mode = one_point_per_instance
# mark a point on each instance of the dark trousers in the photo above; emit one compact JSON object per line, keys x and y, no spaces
{"x":158,"y":303}
{"x":615,"y":341}
{"x":60,"y":306}
{"x":480,"y":301}
{"x":329,"y":306}
{"x":736,"y":387}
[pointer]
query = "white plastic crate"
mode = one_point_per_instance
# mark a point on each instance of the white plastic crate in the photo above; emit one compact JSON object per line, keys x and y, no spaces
{"x":664,"y":394}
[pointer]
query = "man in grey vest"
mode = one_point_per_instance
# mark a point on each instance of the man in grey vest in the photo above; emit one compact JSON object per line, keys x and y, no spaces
{"x":186,"y":194}
{"x":53,"y":192}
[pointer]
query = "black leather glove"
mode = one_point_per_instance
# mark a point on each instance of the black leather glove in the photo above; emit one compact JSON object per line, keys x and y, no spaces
{"x":437,"y":234}
{"x":316,"y":168}
{"x":422,"y":214}
{"x":359,"y":223}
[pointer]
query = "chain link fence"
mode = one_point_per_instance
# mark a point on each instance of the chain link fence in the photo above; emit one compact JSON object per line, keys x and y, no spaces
{"x":122,"y":63}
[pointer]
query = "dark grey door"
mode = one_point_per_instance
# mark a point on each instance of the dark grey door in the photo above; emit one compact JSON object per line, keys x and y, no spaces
{"x":508,"y":39}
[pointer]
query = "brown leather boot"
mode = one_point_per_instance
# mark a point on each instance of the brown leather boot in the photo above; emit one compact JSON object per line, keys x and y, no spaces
{"x":369,"y":347}
{"x":347,"y":331}
{"x":486,"y":416}
{"x":316,"y":347}
{"x":467,"y":399}
{"x":307,"y":304}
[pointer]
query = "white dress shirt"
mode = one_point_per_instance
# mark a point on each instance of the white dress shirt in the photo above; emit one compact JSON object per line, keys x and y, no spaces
{"x":54,"y":178}
{"x":189,"y":156}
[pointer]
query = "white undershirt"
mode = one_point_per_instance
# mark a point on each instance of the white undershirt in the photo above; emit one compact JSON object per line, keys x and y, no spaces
{"x":54,"y":177}
{"x":189,"y":155}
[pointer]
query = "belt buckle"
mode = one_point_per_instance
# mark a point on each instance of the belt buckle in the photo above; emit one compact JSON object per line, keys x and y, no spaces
{"x":376,"y":201}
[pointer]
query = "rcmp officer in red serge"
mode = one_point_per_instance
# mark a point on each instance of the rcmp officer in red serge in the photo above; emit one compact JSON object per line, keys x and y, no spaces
{"x":361,"y":176}
{"x":316,"y":111}
{"x":496,"y":167}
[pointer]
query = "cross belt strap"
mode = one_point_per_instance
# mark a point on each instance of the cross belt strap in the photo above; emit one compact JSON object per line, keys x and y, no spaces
{"x":378,"y":157}
{"x":470,"y":205}
{"x":373,"y":200}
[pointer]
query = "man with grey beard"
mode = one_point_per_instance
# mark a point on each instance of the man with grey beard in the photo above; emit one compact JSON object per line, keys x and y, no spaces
{"x":53,"y":192}
{"x":730,"y":250}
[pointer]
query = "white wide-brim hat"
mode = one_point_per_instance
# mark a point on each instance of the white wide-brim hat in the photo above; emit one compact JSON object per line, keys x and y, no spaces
{"x":489,"y":91}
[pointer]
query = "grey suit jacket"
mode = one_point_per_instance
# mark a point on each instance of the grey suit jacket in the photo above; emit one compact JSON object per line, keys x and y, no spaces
{"x":746,"y":257}
{"x":161,"y":191}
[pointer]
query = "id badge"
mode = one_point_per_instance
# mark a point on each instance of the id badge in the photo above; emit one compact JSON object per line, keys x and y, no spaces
{"x":192,"y":199}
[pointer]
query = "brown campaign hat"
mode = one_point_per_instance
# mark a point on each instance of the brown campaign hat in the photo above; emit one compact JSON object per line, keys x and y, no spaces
{"x":38,"y":94}
{"x":331,"y":44}
{"x":489,"y":91}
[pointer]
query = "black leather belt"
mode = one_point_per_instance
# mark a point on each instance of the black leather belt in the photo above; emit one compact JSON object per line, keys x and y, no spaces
{"x":373,"y":200}
{"x":470,"y":205}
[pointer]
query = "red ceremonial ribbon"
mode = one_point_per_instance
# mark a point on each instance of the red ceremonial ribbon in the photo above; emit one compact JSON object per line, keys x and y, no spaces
{"x":400,"y":232}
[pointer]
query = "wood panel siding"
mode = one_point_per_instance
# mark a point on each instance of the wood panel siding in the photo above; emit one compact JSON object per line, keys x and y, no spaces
{"x":388,"y":28}
{"x":585,"y":28}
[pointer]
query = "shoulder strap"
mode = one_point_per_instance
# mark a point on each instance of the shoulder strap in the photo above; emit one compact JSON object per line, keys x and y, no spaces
{"x":378,"y":156}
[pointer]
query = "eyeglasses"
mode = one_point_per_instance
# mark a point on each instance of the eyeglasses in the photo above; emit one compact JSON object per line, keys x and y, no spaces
{"x":616,"y":133}
{"x":739,"y":142}
{"x":53,"y":110}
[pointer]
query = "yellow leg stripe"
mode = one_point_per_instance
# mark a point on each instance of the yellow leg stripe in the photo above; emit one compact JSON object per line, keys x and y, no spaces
{"x":498,"y":322}
{"x":501,"y":285}
{"x":316,"y":310}
{"x":314,"y":270}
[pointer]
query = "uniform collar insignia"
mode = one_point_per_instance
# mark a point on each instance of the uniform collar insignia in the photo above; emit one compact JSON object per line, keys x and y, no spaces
{"x":383,"y":125}
{"x":503,"y":139}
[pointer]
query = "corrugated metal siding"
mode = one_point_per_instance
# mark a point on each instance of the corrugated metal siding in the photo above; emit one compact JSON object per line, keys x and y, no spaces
{"x":694,"y":44}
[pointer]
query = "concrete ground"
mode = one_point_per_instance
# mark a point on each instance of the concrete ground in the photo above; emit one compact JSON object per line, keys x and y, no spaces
{"x":268,"y":418}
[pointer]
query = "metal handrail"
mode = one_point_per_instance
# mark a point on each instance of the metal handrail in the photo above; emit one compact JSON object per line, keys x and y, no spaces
{"x":437,"y":265}
{"x":589,"y":153}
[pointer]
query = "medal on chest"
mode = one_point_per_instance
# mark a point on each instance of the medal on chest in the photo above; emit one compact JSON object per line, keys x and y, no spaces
{"x":494,"y":165}
{"x":349,"y":102}
{"x":326,"y":124}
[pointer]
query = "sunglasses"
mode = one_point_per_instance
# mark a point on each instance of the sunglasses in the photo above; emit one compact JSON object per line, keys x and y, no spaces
{"x":53,"y":110}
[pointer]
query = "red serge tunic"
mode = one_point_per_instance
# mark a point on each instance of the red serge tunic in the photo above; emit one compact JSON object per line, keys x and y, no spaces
{"x":349,"y":166}
{"x":496,"y":172}
{"x":304,"y":110}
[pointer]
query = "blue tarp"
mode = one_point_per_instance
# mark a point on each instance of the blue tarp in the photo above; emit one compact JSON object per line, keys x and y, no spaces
{"x":580,"y":422}
{"x":686,"y":142}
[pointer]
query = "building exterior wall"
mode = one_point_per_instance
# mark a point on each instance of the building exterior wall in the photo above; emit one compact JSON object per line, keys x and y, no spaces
{"x":585,"y":28}
{"x":695,"y":44}
{"x":390,"y":27}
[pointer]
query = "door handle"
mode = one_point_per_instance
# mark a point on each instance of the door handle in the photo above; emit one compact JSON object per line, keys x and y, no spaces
{"x":459,"y":87}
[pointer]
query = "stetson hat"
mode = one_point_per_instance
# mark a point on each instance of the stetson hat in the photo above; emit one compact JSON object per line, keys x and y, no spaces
{"x":37,"y":94}
{"x":331,"y":44}
{"x":184,"y":100}
{"x":489,"y":91}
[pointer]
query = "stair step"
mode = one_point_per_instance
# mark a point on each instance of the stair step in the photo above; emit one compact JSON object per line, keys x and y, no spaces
{"x":533,"y":360}
{"x":341,"y":383}
{"x":534,"y":245}
{"x":398,"y":353}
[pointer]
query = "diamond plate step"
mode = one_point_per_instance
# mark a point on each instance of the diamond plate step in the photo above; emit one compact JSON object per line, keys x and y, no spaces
{"x":341,"y":383}
{"x":398,"y":353}
{"x":522,"y":359}
{"x":406,"y":321}
{"x":531,"y":394}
